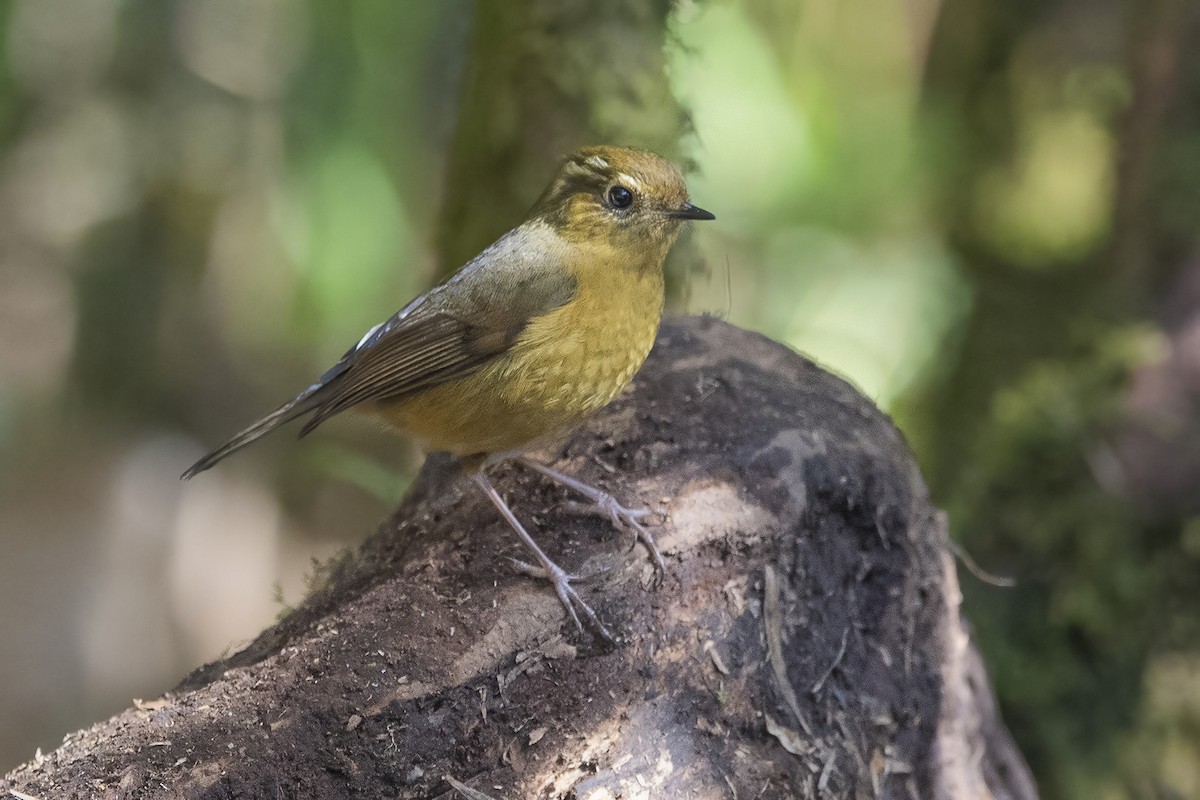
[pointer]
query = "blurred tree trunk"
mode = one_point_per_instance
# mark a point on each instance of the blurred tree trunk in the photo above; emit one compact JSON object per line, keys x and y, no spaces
{"x":544,"y":78}
{"x":968,"y":84}
{"x":1022,"y":423}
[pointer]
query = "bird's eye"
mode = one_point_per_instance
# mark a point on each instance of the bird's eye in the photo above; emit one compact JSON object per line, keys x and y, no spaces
{"x":620,"y":197}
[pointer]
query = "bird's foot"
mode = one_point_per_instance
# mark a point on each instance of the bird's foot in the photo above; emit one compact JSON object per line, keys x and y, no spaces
{"x":548,"y":570}
{"x":570,"y":599}
{"x":629,"y":519}
{"x":606,"y":505}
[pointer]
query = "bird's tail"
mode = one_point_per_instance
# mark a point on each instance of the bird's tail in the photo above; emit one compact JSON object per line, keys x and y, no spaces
{"x":287,"y":412}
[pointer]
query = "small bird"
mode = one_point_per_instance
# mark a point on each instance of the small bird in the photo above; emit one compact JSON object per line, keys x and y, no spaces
{"x":525,"y":341}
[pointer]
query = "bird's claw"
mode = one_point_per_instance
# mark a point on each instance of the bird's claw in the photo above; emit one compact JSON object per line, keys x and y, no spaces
{"x":630,"y":519}
{"x":660,"y":565}
{"x":605,"y":505}
{"x":570,"y":599}
{"x":620,"y":515}
{"x":534,"y":571}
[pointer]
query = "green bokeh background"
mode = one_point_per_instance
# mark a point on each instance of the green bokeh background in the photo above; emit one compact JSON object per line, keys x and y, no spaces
{"x":984,"y":213}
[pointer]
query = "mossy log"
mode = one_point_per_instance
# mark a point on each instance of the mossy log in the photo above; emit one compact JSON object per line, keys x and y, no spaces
{"x":807,"y":642}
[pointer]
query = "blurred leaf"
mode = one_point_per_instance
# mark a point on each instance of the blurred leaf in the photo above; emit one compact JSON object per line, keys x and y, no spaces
{"x":345,"y":227}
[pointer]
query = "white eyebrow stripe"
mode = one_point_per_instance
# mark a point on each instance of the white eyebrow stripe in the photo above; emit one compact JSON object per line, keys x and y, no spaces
{"x":597,"y":162}
{"x":629,"y":181}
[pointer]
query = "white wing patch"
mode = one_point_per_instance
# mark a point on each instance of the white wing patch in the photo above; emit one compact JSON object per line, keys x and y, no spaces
{"x":367,"y":335}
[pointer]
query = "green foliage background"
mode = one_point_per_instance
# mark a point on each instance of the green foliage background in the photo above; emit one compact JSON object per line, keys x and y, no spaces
{"x":983,"y":212}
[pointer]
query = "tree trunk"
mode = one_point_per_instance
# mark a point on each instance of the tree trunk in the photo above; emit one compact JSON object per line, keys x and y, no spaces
{"x":807,"y":641}
{"x":544,"y":78}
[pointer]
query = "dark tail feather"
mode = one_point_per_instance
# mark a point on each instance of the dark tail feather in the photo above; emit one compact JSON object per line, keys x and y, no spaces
{"x":285,"y":413}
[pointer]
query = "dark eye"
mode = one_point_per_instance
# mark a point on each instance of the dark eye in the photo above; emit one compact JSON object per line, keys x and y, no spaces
{"x":620,"y":197}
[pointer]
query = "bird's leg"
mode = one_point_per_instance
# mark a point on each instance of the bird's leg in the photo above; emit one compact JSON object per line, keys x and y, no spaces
{"x":620,"y":516}
{"x":567,"y":595}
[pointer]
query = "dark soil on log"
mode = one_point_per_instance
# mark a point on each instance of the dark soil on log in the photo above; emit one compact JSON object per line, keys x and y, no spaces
{"x":806,"y":641}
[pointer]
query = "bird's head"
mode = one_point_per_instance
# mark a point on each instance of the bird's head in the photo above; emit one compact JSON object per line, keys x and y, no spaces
{"x":619,"y":196}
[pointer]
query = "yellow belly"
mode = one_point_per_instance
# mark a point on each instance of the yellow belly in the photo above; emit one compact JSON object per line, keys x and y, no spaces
{"x":564,"y":366}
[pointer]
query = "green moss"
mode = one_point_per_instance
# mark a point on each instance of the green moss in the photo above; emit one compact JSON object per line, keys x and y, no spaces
{"x":1097,"y":576}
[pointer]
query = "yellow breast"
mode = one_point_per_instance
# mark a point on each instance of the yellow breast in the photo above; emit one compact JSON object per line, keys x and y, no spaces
{"x":564,"y":366}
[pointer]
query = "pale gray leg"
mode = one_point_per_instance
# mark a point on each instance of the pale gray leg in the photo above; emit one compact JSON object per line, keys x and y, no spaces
{"x":620,"y":516}
{"x":552,"y":572}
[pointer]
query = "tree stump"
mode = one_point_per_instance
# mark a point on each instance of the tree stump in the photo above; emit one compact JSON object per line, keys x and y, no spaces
{"x":807,"y":641}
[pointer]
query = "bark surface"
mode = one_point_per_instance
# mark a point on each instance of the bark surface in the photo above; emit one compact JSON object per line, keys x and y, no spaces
{"x":808,"y":641}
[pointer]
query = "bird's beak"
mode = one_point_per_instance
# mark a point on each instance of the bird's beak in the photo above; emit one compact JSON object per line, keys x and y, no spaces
{"x":689,"y":211}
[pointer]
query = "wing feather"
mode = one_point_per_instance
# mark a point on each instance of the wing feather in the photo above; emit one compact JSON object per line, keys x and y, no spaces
{"x":445,"y":334}
{"x":443,"y":349}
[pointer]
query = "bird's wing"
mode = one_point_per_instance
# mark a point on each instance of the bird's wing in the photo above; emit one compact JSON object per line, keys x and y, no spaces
{"x":447,"y":333}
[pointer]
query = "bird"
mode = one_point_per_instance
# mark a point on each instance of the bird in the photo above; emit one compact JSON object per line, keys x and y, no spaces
{"x":523,"y":343}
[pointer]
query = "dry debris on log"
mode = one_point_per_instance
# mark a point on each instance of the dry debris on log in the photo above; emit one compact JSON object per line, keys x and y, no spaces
{"x":807,"y":642}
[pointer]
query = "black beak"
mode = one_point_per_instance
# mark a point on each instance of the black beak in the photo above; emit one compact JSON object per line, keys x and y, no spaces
{"x":689,"y":211}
